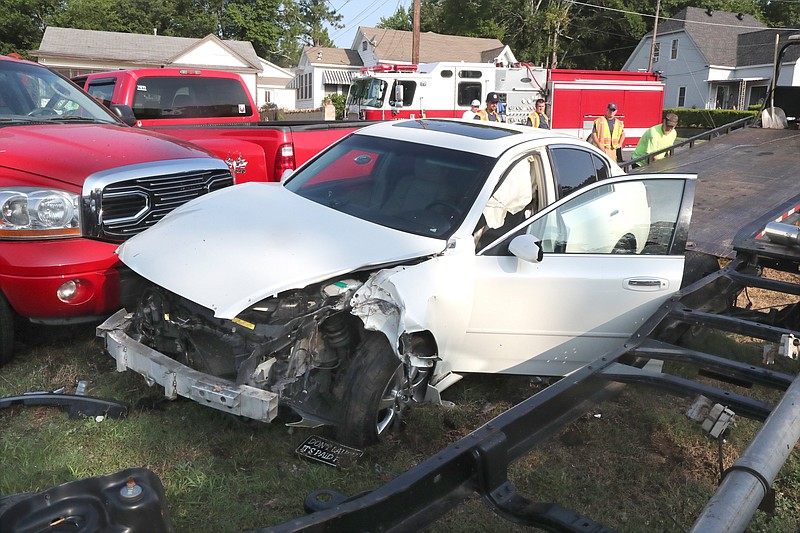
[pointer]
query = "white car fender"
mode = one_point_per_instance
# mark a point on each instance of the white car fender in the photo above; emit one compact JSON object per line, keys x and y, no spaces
{"x":430,"y":296}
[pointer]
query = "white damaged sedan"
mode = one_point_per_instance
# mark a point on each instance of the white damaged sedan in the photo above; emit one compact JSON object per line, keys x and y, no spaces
{"x":402,"y":257}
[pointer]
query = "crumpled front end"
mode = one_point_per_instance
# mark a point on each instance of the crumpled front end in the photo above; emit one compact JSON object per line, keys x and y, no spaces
{"x":295,"y":349}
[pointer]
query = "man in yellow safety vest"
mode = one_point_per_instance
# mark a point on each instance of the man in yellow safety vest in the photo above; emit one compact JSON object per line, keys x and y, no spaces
{"x":538,"y":119}
{"x":490,"y":113}
{"x":608,"y":132}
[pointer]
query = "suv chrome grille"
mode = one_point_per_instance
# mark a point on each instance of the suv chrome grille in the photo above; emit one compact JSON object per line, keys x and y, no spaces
{"x":122,"y":204}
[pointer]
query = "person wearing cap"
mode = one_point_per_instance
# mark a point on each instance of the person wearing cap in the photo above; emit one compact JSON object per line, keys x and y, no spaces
{"x":608,"y":132}
{"x":490,"y":113}
{"x":474,"y":107}
{"x":538,"y":119}
{"x":657,"y":138}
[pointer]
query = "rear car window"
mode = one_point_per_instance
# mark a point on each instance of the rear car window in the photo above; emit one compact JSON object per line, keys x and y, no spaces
{"x":182,"y":97}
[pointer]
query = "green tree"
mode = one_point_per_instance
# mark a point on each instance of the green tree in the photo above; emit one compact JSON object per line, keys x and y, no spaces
{"x":254,"y":21}
{"x":22,"y":24}
{"x":402,"y":19}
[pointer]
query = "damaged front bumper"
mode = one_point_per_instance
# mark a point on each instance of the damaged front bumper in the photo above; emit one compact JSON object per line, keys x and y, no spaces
{"x":180,"y":380}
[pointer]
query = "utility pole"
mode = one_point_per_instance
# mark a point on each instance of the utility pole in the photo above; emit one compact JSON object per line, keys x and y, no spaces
{"x":415,"y":38}
{"x":653,"y":44}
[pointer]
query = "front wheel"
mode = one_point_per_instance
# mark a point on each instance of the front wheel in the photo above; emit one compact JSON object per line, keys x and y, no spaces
{"x":376,"y":392}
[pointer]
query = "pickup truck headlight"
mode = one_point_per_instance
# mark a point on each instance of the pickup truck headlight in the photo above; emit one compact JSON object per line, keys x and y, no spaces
{"x":33,"y":213}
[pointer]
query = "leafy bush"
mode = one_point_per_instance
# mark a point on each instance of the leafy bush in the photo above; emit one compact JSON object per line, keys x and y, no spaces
{"x":708,"y":118}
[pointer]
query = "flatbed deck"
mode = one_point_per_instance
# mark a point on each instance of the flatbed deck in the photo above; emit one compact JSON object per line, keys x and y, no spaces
{"x":741,"y":175}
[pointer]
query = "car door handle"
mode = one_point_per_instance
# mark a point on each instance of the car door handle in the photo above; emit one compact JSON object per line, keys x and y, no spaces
{"x":614,"y":212}
{"x":646,"y":284}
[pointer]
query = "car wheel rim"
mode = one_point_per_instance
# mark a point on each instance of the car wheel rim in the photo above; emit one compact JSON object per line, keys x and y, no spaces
{"x":390,"y":402}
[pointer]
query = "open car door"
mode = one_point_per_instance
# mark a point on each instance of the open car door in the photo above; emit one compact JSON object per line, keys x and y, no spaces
{"x":612,"y":253}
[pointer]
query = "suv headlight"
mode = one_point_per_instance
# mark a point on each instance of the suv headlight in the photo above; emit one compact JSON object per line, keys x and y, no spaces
{"x":34,"y":213}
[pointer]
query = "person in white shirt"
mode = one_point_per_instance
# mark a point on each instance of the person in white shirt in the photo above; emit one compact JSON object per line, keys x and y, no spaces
{"x":470,"y":113}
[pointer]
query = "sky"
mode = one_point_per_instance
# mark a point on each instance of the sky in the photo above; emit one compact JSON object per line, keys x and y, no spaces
{"x":357,"y":13}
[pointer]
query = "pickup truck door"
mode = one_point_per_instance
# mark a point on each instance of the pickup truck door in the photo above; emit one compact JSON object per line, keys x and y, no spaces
{"x":613,"y":252}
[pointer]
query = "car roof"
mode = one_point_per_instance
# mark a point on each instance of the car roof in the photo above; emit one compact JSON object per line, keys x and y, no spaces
{"x":475,"y":136}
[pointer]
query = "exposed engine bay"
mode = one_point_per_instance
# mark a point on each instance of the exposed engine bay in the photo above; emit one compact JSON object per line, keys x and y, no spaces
{"x":303,"y":345}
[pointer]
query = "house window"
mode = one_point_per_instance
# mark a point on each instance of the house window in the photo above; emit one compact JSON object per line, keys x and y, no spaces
{"x":674,"y":53}
{"x":681,"y":96}
{"x":656,"y":50}
{"x":364,"y":45}
{"x":304,"y":89}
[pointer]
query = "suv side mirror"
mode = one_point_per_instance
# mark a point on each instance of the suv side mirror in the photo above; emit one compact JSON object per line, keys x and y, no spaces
{"x":125,"y":113}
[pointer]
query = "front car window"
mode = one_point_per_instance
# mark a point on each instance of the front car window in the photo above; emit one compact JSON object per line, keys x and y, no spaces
{"x":419,"y":189}
{"x":28,"y":92}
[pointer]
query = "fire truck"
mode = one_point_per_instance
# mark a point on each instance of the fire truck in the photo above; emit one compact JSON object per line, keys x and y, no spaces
{"x":575,"y":98}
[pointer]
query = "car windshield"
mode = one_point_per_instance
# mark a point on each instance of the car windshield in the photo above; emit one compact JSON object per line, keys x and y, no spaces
{"x":34,"y":94}
{"x":410,"y":187}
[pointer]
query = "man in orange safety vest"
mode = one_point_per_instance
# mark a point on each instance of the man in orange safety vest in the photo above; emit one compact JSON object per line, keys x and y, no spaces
{"x":608,"y":132}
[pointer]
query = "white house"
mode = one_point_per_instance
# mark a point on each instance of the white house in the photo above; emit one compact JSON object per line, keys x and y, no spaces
{"x":73,"y":52}
{"x":714,"y":59}
{"x":273,"y":86}
{"x":326,"y":71}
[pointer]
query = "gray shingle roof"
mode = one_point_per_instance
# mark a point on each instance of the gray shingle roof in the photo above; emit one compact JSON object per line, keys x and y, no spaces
{"x":135,"y":47}
{"x":395,"y":45}
{"x":758,"y":47}
{"x":317,"y":55}
{"x":715,"y":34}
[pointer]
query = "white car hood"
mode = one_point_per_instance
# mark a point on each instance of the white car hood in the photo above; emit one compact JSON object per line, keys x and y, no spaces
{"x":230,"y":249}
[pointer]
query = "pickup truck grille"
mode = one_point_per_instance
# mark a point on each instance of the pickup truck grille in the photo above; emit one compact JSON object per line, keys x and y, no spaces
{"x":121,"y":204}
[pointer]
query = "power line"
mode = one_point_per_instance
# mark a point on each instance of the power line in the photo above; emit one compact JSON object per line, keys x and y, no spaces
{"x":627,"y":12}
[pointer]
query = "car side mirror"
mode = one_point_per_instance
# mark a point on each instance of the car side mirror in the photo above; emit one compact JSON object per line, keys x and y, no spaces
{"x":125,"y":113}
{"x":527,"y":247}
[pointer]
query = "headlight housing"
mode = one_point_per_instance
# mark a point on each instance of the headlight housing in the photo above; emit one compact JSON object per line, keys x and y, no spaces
{"x":35,"y":213}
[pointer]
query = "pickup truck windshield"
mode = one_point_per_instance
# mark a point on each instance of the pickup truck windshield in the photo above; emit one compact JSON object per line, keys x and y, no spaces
{"x":410,"y":187}
{"x":31,"y":93}
{"x":183,"y":97}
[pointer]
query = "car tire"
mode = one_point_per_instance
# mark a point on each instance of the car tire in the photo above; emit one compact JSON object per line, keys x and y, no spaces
{"x":696,"y":266}
{"x":6,"y":331}
{"x":374,"y":402}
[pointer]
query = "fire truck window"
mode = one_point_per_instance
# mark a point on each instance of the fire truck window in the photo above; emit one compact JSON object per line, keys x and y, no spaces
{"x":573,"y":168}
{"x":409,"y":88}
{"x":469,"y":91}
{"x":470,"y":74}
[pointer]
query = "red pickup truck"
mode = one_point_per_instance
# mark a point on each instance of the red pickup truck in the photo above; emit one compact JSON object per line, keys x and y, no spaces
{"x":75,"y":181}
{"x":215,"y":110}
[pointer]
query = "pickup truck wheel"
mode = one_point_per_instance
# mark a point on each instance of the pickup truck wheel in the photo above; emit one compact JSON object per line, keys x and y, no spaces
{"x":6,"y":331}
{"x":376,"y":398}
